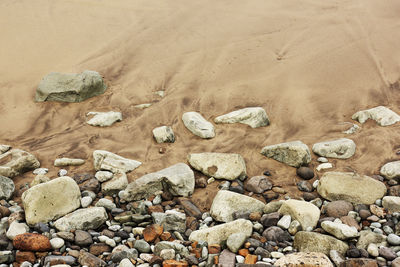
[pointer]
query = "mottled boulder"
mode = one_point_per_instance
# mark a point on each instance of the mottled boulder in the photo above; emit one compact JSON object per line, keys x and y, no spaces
{"x":342,"y":148}
{"x":382,"y":115}
{"x":16,"y":161}
{"x":70,"y":87}
{"x":107,"y":161}
{"x":104,"y":119}
{"x":199,"y":126}
{"x":294,"y":153}
{"x":7,"y":188}
{"x":315,"y":242}
{"x":254,"y":117}
{"x":82,"y":219}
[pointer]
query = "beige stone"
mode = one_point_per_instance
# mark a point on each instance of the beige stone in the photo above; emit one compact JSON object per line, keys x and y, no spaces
{"x":304,"y":212}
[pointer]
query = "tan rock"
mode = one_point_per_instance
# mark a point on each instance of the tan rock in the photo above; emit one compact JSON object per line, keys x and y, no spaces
{"x":304,"y":212}
{"x":16,"y":161}
{"x":304,"y":259}
{"x":315,"y":242}
{"x":294,"y":153}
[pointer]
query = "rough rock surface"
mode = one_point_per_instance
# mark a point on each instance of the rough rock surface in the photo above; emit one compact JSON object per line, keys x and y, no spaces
{"x":107,"y":161}
{"x":391,"y":170}
{"x":225,"y":203}
{"x":51,"y":200}
{"x":82,"y":219}
{"x":254,"y":117}
{"x":294,"y":153}
{"x":315,"y":242}
{"x":177,"y":179}
{"x":391,"y":204}
{"x":219,"y":165}
{"x":198,"y":125}
{"x":104,"y":119}
{"x":171,"y":220}
{"x":350,"y":187}
{"x":342,"y":148}
{"x":339,"y":230}
{"x":304,"y":259}
{"x":382,"y":115}
{"x":220,"y":233}
{"x":70,"y":87}
{"x":117,"y":183}
{"x":258,"y":184}
{"x":164,"y":134}
{"x":7,"y":187}
{"x":4,"y":148}
{"x":16,"y":161}
{"x":305,"y":212}
{"x":63,"y":162}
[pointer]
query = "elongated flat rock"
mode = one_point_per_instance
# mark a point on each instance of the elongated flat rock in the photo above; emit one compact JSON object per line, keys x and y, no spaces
{"x":294,"y":153}
{"x":391,"y":170}
{"x":82,"y":219}
{"x":107,"y":161}
{"x":382,"y":115}
{"x":342,"y":148}
{"x":351,"y":187}
{"x":198,"y":125}
{"x":254,"y":117}
{"x":315,"y":242}
{"x":219,"y":165}
{"x":225,"y":203}
{"x":63,"y":162}
{"x":104,"y":119}
{"x":16,"y":161}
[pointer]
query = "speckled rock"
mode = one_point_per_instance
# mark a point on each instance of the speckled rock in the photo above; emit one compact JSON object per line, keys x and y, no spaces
{"x":294,"y":153}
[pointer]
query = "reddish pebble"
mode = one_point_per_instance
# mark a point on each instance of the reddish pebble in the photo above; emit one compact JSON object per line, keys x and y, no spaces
{"x":243,"y":252}
{"x":214,"y":249}
{"x":174,"y":263}
{"x":32,"y":242}
{"x":21,"y":256}
{"x":250,"y":259}
{"x":152,"y":232}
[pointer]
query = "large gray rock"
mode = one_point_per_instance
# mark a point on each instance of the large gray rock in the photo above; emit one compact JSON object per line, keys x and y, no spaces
{"x":16,"y":161}
{"x":382,"y":115}
{"x":342,"y":148}
{"x":391,"y":170}
{"x":164,"y":134}
{"x":294,"y":153}
{"x":4,"y":148}
{"x":198,"y":125}
{"x":70,"y":87}
{"x":171,"y":220}
{"x":7,"y":188}
{"x":177,"y":179}
{"x":304,"y":212}
{"x":226,"y":202}
{"x":63,"y":162}
{"x":117,"y":183}
{"x":350,"y":187}
{"x":254,"y":117}
{"x":315,"y":242}
{"x":219,"y":234}
{"x":104,"y":119}
{"x":82,"y":219}
{"x":51,"y":200}
{"x":107,"y":161}
{"x":339,"y":230}
{"x":219,"y":165}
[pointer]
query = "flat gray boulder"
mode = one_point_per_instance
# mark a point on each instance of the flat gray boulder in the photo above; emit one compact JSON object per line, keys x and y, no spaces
{"x":382,"y":115}
{"x":294,"y":153}
{"x":70,"y":87}
{"x":219,"y":234}
{"x":254,"y":117}
{"x":342,"y":148}
{"x":16,"y":161}
{"x":107,"y":161}
{"x":178,"y":179}
{"x":7,"y":188}
{"x":354,"y":188}
{"x":198,"y":125}
{"x":82,"y":219}
{"x":104,"y":119}
{"x":117,"y":183}
{"x":315,"y":242}
{"x":391,"y":170}
{"x":164,"y":134}
{"x":51,"y":200}
{"x":226,"y":202}
{"x":219,"y":165}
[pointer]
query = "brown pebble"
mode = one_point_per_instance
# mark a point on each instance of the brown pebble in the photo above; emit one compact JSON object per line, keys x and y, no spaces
{"x":21,"y":256}
{"x":32,"y":242}
{"x":214,"y":249}
{"x":174,"y":263}
{"x":152,"y":232}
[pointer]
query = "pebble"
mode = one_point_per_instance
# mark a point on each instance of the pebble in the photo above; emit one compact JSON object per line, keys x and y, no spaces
{"x":239,"y":259}
{"x":285,"y":221}
{"x":322,"y":159}
{"x":86,"y":201}
{"x":393,"y":240}
{"x":57,"y":242}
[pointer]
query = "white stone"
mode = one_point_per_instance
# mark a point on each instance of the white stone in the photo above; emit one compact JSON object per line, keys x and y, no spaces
{"x":15,"y":229}
{"x":219,"y":165}
{"x":294,"y":153}
{"x":103,"y":176}
{"x":239,"y":259}
{"x":235,"y":241}
{"x":342,"y":148}
{"x":107,"y":240}
{"x":117,"y":183}
{"x":63,"y":162}
{"x":391,"y":170}
{"x":106,"y":203}
{"x":199,"y":126}
{"x":86,"y":201}
{"x":104,"y":160}
{"x":42,"y":171}
{"x":167,"y":254}
{"x":104,"y":119}
{"x":82,"y":219}
{"x":285,"y":221}
{"x":391,"y":204}
{"x":56,"y":242}
{"x":4,"y":148}
{"x":226,"y":202}
{"x":143,"y":106}
{"x":352,"y":129}
{"x":253,"y":116}
{"x":339,"y":230}
{"x":126,"y":263}
{"x":324,"y":166}
{"x":322,"y":160}
{"x":276,"y":254}
{"x":382,"y":115}
{"x":373,"y":250}
{"x":16,"y":161}
{"x":304,"y":212}
{"x":164,"y":134}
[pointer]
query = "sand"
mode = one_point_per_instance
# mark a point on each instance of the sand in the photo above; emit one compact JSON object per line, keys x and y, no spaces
{"x":311,"y":65}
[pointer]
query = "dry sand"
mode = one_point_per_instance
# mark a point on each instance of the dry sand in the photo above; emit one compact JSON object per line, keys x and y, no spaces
{"x":311,"y":64}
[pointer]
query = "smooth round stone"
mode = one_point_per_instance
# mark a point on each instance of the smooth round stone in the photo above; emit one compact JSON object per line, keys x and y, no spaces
{"x":378,"y":231}
{"x":393,"y":239}
{"x":285,"y":221}
{"x":62,"y":172}
{"x":239,"y":259}
{"x":57,"y":242}
{"x":387,"y":229}
{"x":276,"y":255}
{"x":305,"y":173}
{"x":373,"y":250}
{"x":375,"y":225}
{"x":142,"y":246}
{"x":378,"y":202}
{"x":86,"y":201}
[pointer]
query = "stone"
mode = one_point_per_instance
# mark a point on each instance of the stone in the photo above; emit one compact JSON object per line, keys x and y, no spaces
{"x":305,"y":186}
{"x":276,"y":234}
{"x":164,"y":134}
{"x":272,"y":206}
{"x":367,"y":237}
{"x":59,"y":261}
{"x":338,"y":208}
{"x":387,"y":253}
{"x":117,"y":183}
{"x":39,"y":179}
{"x":106,"y":203}
{"x":174,"y":263}
{"x":142,"y":246}
{"x":270,"y":219}
{"x":190,"y":208}
{"x":15,"y":229}
{"x":391,"y":170}
{"x":373,"y":250}
{"x":304,"y":212}
{"x":68,"y":236}
{"x":227,"y":259}
{"x":70,"y":87}
{"x":16,"y":161}
{"x":336,"y":257}
{"x":324,"y":166}
{"x":6,"y":257}
{"x":285,"y":221}
{"x":294,"y":153}
{"x":350,"y":187}
{"x":126,"y":263}
{"x":99,"y":248}
{"x":167,"y":254}
{"x":339,"y":230}
{"x":107,"y":161}
{"x":56,"y":242}
{"x":179,"y":248}
{"x":315,"y":242}
{"x":21,"y":256}
{"x":254,"y":117}
{"x":86,"y":201}
{"x":220,"y":233}
{"x":152,"y":232}
{"x":178,"y":179}
{"x":235,"y":241}
{"x":82,"y":219}
{"x":304,"y":259}
{"x":361,"y":262}
{"x":7,"y":188}
{"x":4,"y":148}
{"x":350,"y":221}
{"x":393,"y":239}
{"x":31,"y":242}
{"x":391,"y":204}
{"x":83,"y":238}
{"x":104,"y":119}
{"x":305,"y":173}
{"x":342,"y":148}
{"x":258,"y":184}
{"x":63,"y":162}
{"x":219,"y":165}
{"x":103,"y":176}
{"x":199,"y":126}
{"x":225,"y":203}
{"x":51,"y":200}
{"x":90,"y":260}
{"x":171,"y":220}
{"x":382,"y":115}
